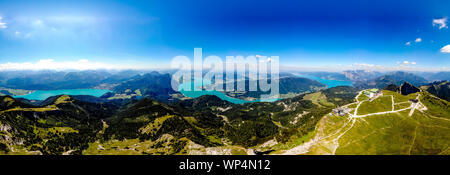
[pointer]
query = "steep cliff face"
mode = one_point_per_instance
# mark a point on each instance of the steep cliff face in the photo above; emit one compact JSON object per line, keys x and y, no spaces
{"x":440,"y":89}
{"x":407,"y":88}
{"x":392,"y":87}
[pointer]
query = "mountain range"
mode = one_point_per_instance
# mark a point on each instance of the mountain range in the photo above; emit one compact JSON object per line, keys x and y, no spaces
{"x":440,"y":89}
{"x":402,"y":118}
{"x":396,"y":78}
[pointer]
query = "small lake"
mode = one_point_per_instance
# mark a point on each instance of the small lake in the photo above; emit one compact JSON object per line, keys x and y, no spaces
{"x":329,"y":83}
{"x":44,"y":94}
{"x":195,"y":92}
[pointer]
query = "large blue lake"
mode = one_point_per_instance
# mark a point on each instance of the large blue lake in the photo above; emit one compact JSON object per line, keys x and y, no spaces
{"x":195,"y":92}
{"x":44,"y":94}
{"x":329,"y":83}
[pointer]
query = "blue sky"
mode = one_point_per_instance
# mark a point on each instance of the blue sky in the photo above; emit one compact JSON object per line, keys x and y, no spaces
{"x":322,"y":35}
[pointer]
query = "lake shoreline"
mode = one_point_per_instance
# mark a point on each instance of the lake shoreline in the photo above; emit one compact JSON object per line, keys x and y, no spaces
{"x":44,"y":94}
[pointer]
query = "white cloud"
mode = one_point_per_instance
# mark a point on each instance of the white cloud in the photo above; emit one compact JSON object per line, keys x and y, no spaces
{"x":373,"y":67}
{"x":269,"y":59}
{"x":50,"y":64}
{"x":418,"y":40}
{"x":400,"y":66}
{"x":2,"y":24}
{"x":363,"y":65}
{"x":446,"y":49}
{"x":366,"y":67}
{"x":406,"y":63}
{"x":442,"y":23}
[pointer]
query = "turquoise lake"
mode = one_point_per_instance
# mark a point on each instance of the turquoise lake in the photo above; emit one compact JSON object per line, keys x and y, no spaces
{"x":195,"y":92}
{"x":44,"y":94}
{"x":329,"y":83}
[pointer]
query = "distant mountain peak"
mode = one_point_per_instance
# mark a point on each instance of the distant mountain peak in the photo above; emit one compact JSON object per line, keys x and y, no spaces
{"x":407,"y":88}
{"x":397,"y":78}
{"x":8,"y":102}
{"x":392,"y":87}
{"x":440,"y":89}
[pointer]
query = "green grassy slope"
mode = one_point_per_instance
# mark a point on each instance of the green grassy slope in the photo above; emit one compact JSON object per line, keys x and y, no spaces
{"x":425,"y":132}
{"x":381,"y":104}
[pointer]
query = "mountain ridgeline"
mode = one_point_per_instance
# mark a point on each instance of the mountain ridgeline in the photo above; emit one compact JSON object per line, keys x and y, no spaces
{"x":82,"y":125}
{"x":51,"y":80}
{"x":396,"y":78}
{"x":154,"y":85}
{"x":314,"y":120}
{"x":287,"y":85}
{"x":440,"y":89}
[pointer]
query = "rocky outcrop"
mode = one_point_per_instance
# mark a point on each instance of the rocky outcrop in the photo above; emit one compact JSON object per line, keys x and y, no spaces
{"x":440,"y":89}
{"x":392,"y":87}
{"x":5,"y":127}
{"x":407,"y":88}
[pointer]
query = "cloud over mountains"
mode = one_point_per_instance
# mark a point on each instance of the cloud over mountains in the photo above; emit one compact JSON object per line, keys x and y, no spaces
{"x":51,"y":64}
